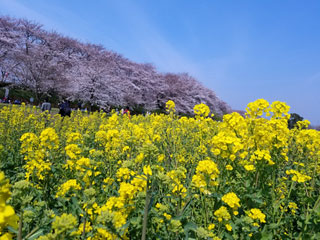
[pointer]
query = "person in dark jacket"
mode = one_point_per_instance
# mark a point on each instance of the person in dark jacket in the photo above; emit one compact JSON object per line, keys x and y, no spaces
{"x":65,"y":109}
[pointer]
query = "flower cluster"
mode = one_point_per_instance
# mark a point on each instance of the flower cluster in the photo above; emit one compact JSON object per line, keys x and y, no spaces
{"x":297,"y":176}
{"x":206,"y":175}
{"x":256,"y":215}
{"x":64,"y":188}
{"x":201,"y":110}
{"x":7,"y":214}
{"x":170,"y":106}
{"x":232,"y":200}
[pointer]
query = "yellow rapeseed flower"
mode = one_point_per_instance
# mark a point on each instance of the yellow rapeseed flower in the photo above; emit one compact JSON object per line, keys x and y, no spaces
{"x":232,"y":200}
{"x":147,"y":170}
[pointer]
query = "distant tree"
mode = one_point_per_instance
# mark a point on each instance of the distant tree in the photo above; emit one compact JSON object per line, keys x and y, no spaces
{"x":294,"y":118}
{"x":9,"y":35}
{"x":98,"y":78}
{"x":186,"y":92}
{"x":40,"y":65}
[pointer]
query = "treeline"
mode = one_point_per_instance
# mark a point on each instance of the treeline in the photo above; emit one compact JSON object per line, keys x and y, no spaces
{"x":49,"y":62}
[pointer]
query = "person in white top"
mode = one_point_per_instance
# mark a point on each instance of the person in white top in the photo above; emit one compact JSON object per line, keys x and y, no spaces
{"x":46,"y":106}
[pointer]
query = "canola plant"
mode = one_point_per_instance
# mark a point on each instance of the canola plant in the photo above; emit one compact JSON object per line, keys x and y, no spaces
{"x":93,"y":176}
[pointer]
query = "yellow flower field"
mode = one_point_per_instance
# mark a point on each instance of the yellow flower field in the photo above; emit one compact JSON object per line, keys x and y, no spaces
{"x":93,"y":176}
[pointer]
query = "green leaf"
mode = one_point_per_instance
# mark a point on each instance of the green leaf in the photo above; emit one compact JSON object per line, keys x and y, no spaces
{"x":186,"y":207}
{"x":228,"y":236}
{"x":266,"y":236}
{"x":189,"y":226}
{"x":12,"y":230}
{"x":273,"y":226}
{"x":35,"y":235}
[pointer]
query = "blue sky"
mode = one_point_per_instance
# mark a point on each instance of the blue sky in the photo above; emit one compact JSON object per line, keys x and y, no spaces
{"x":243,"y":50}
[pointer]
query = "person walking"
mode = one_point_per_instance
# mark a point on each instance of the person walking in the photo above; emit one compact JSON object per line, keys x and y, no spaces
{"x":65,"y":109}
{"x":46,"y":106}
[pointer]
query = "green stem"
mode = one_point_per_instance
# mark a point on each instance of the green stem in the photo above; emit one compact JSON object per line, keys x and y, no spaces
{"x":317,"y":203}
{"x":20,"y":226}
{"x":307,"y":219}
{"x":205,"y":210}
{"x":273,"y":195}
{"x":145,"y":216}
{"x":291,"y":187}
{"x":32,"y":232}
{"x":84,"y":226}
{"x":313,"y":175}
{"x":257,"y":177}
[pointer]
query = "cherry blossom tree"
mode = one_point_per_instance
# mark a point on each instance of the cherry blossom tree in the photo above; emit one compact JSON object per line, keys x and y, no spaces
{"x":8,"y":38}
{"x":44,"y":61}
